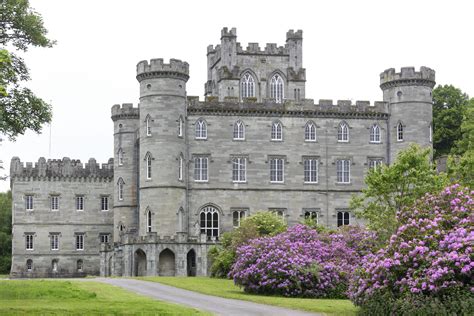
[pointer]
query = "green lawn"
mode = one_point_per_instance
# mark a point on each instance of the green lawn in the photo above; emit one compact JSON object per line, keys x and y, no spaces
{"x":41,"y":297}
{"x":4,"y":276}
{"x":227,"y":289}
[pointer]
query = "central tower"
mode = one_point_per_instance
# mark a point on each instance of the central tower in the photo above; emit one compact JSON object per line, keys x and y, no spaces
{"x":162,"y":187}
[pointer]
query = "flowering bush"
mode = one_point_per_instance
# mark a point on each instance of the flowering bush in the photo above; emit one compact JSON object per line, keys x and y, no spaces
{"x":429,"y":260}
{"x":300,"y":262}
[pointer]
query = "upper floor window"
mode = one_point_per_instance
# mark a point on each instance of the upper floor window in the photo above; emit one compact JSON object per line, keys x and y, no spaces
{"x":148,"y":159}
{"x":310,"y":132}
{"x":209,"y":221}
{"x":104,"y":203}
{"x":148,"y":221}
{"x":29,"y":202}
{"x":237,"y":217}
{"x":277,"y":131}
{"x":239,"y":130}
{"x":29,"y":241}
{"x":431,"y":133}
{"x":247,"y":86}
{"x":342,"y":218}
{"x":148,"y":125}
{"x":120,"y":185}
{"x":276,"y":169}
{"x":343,"y":168}
{"x":54,"y":202}
{"x":180,"y":126}
{"x":375,"y":164}
{"x":120,"y":157}
{"x":276,"y":88}
{"x":310,"y":170}
{"x":400,"y":132}
{"x":104,"y":238}
{"x":80,"y":241}
{"x":201,"y":129}
{"x":180,"y":167}
{"x":200,"y":168}
{"x":375,"y":134}
{"x":54,"y":239}
{"x":79,"y":202}
{"x":239,"y":169}
{"x":343,"y":132}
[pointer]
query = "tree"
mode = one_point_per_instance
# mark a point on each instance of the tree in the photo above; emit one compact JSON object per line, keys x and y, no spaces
{"x":449,"y":105}
{"x":20,"y":28}
{"x":395,"y":187}
{"x":5,"y":231}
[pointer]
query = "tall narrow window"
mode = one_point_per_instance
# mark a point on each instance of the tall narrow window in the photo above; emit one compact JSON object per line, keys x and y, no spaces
{"x":148,"y":159}
{"x":54,"y":240}
{"x":375,"y":134}
{"x":247,"y":86}
{"x":54,"y":265}
{"x":209,"y":222}
{"x":239,"y":130}
{"x":79,"y":241}
{"x":200,"y":168}
{"x":237,"y":217}
{"x":29,"y":202}
{"x":431,"y":133}
{"x":276,"y":88}
{"x":343,"y":133}
{"x":120,"y":157}
{"x":310,"y":170}
{"x":310,"y":132}
{"x":400,"y":132}
{"x":29,"y":265}
{"x":79,"y":203}
{"x":201,"y":129}
{"x":120,"y":185}
{"x":239,"y":169}
{"x":104,"y":203}
{"x":180,"y":127}
{"x":277,"y":131}
{"x":54,"y":202}
{"x":148,"y":125}
{"x":342,"y":218}
{"x":343,"y":171}
{"x":79,"y":265}
{"x":148,"y":221}
{"x":180,"y":167}
{"x":375,"y":164}
{"x":276,"y":169}
{"x":29,"y":241}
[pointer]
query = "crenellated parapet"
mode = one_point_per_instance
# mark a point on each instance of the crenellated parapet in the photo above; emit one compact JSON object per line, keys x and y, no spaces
{"x":270,"y":49}
{"x":156,"y":68}
{"x":124,"y":111}
{"x":61,"y":169}
{"x":294,"y":35}
{"x":407,"y":76}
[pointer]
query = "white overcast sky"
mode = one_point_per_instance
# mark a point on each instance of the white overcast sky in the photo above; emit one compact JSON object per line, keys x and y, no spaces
{"x":346,"y":44}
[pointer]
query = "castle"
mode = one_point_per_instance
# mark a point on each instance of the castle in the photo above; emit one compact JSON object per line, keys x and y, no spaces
{"x":185,"y":171}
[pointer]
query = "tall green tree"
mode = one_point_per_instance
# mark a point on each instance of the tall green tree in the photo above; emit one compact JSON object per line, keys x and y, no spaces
{"x":449,"y":106}
{"x":395,"y":187}
{"x":5,"y":232}
{"x":20,"y":109}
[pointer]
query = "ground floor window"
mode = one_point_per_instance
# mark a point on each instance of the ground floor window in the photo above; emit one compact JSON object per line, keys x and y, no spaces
{"x":209,"y":222}
{"x":342,"y":218}
{"x":237,"y":217}
{"x":29,"y":265}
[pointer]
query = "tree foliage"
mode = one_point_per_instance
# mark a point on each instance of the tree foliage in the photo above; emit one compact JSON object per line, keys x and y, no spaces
{"x":5,"y":231}
{"x":395,"y":187}
{"x":20,"y":109}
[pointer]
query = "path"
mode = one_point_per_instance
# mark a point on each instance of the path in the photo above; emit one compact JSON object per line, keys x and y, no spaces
{"x":213,"y":304}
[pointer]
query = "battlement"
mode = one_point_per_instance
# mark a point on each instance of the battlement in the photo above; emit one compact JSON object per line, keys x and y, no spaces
{"x":62,"y":168}
{"x":291,"y":34}
{"x":407,"y":75}
{"x":157,"y":68}
{"x":270,"y":49}
{"x":228,"y":33}
{"x":124,"y":111}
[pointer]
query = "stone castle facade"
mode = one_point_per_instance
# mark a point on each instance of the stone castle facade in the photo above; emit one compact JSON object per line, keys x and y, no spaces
{"x":185,"y":171}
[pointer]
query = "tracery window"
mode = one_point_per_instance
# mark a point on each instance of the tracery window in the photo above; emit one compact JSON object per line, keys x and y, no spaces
{"x":247,"y":86}
{"x":277,"y":131}
{"x":375,"y":134}
{"x":310,"y":132}
{"x":201,"y":129}
{"x":239,"y":130}
{"x":209,"y":221}
{"x":343,"y":132}
{"x":276,"y":88}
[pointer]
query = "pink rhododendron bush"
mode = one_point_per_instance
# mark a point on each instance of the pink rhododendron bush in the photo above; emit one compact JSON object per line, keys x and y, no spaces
{"x":301,"y":262}
{"x":427,"y":266}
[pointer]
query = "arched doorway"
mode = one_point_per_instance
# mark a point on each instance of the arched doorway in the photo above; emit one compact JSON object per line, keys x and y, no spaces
{"x":166,"y":265}
{"x":140,"y":263}
{"x":191,"y":263}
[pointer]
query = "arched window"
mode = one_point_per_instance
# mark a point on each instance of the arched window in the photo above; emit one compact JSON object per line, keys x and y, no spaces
{"x":180,"y":167}
{"x":343,"y":132}
{"x":277,"y":131}
{"x":201,"y":129}
{"x":29,"y":265}
{"x":276,"y":88}
{"x":310,"y":132}
{"x":239,"y":130}
{"x":79,"y":265}
{"x":342,"y":218}
{"x":400,"y":132}
{"x":180,"y":126}
{"x":148,"y":221}
{"x":247,"y":86}
{"x":148,"y":160}
{"x":209,"y":221}
{"x":375,"y":134}
{"x":120,"y":185}
{"x":120,"y":157}
{"x":148,"y":125}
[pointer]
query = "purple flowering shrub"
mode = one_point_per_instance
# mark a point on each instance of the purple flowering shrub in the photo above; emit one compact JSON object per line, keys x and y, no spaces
{"x":300,"y":262}
{"x":429,"y":260}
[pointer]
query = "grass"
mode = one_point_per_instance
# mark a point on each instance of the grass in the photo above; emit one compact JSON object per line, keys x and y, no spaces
{"x":41,"y":297}
{"x":227,"y":289}
{"x":4,"y":276}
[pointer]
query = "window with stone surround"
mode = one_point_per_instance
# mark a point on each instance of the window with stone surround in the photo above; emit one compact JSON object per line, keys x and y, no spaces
{"x":29,"y":265}
{"x":29,"y":241}
{"x":148,"y":159}
{"x":79,"y":241}
{"x":375,"y":134}
{"x":277,"y":166}
{"x":247,"y":86}
{"x":400,"y":129}
{"x":239,"y":130}
{"x":180,"y":167}
{"x":209,"y":222}
{"x":277,"y":131}
{"x":342,"y":218}
{"x":238,"y":216}
{"x":148,"y":221}
{"x":201,"y":129}
{"x":104,"y":203}
{"x":311,"y":214}
{"x":343,"y":132}
{"x":120,"y":157}
{"x":148,"y":125}
{"x":277,"y":88}
{"x":343,"y":170}
{"x":310,"y":169}
{"x":79,"y":265}
{"x":79,"y":202}
{"x":310,"y":132}
{"x":54,"y":241}
{"x":180,"y":126}
{"x":29,"y":202}
{"x":375,"y":164}
{"x":239,"y":169}
{"x":120,"y":185}
{"x":201,"y":168}
{"x":54,"y":199}
{"x":104,"y":238}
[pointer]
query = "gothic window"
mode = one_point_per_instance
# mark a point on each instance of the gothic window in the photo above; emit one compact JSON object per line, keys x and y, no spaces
{"x":237,"y":217}
{"x":54,"y":202}
{"x":342,"y":218}
{"x":120,"y":185}
{"x":375,"y":134}
{"x":209,"y":221}
{"x":310,"y":132}
{"x":277,"y":131}
{"x":343,"y":170}
{"x":180,"y":167}
{"x":54,"y":240}
{"x":79,"y":241}
{"x":120,"y":157}
{"x":29,"y":202}
{"x":343,"y":132}
{"x":276,"y":169}
{"x":400,"y":132}
{"x":180,"y":127}
{"x":201,"y":129}
{"x":310,"y":170}
{"x":79,"y":202}
{"x":239,"y":169}
{"x":148,"y":125}
{"x":239,"y":130}
{"x":29,"y":241}
{"x":148,"y":221}
{"x":104,"y":203}
{"x":29,"y":265}
{"x":375,"y":164}
{"x":200,"y":169}
{"x":148,"y":160}
{"x":79,"y":265}
{"x":276,"y":88}
{"x":247,"y":86}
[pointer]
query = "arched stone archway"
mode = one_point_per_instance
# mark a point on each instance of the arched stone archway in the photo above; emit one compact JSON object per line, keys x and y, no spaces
{"x":191,"y":263}
{"x":166,"y":266}
{"x":140,"y":263}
